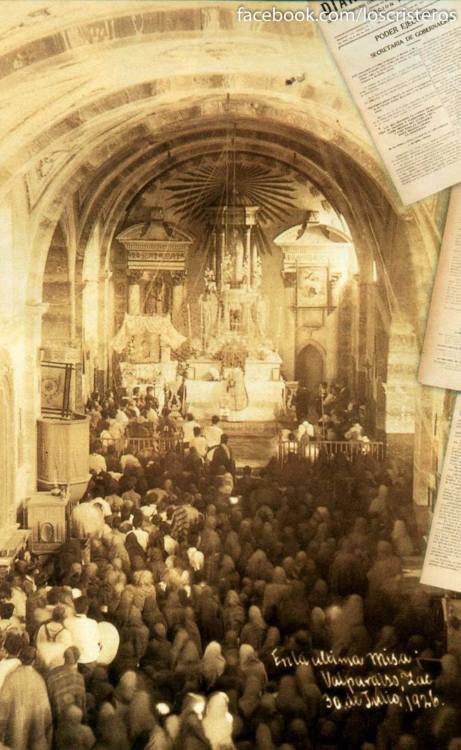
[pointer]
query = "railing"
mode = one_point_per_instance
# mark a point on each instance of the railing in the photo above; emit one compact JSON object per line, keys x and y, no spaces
{"x":313,"y":449}
{"x":159,"y":444}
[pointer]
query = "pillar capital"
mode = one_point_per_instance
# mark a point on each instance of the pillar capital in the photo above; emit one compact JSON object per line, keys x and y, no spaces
{"x":178,"y":277}
{"x":134,"y":276}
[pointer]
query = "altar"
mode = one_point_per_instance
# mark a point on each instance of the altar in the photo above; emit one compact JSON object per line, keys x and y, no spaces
{"x":144,"y":343}
{"x":263,"y":391}
{"x":238,"y":373}
{"x":143,"y":375}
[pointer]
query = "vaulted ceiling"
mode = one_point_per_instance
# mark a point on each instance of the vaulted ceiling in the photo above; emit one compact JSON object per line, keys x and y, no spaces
{"x":100,"y":99}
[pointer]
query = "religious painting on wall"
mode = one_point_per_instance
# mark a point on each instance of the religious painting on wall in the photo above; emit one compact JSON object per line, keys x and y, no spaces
{"x":56,"y":379}
{"x":312,"y":286}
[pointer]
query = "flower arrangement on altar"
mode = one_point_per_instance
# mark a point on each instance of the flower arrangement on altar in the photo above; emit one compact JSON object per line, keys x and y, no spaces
{"x":154,"y":377}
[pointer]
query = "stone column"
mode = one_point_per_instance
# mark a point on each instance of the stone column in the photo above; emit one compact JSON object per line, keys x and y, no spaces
{"x":178,"y":280}
{"x":213,"y":251}
{"x":238,"y":260}
{"x":288,"y":342}
{"x":254,"y":262}
{"x":134,"y":292}
{"x":366,"y":330}
{"x":220,"y":247}
{"x":248,"y":255}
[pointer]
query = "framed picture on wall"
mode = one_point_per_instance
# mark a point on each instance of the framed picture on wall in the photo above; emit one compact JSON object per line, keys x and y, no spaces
{"x":56,"y":380}
{"x":312,"y":286}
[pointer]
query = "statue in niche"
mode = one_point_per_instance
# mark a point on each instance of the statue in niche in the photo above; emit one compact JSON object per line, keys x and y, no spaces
{"x":235,"y":319}
{"x":138,"y":349}
{"x":157,"y":301}
{"x":144,"y":347}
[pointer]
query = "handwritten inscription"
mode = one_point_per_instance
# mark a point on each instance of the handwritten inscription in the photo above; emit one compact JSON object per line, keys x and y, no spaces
{"x":372,"y":681}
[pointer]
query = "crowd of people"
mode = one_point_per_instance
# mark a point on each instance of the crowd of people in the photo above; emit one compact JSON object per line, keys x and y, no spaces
{"x":114,"y":422}
{"x":220,"y":587}
{"x":330,"y":414}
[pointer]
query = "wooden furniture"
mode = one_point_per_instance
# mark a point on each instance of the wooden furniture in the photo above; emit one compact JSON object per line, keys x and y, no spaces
{"x":12,"y":541}
{"x":48,"y":519}
{"x":63,"y":454}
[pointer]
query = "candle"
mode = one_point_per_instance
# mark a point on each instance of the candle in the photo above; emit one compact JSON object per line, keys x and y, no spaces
{"x":189,"y":322}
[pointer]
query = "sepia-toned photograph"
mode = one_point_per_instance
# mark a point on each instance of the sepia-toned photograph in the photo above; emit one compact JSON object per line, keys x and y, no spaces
{"x":218,"y":468}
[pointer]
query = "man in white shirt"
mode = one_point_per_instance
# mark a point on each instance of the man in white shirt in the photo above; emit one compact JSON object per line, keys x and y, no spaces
{"x":141,"y":534}
{"x":213,"y":433}
{"x":127,"y":459}
{"x":199,"y":443}
{"x":85,"y":635}
{"x":188,"y":428}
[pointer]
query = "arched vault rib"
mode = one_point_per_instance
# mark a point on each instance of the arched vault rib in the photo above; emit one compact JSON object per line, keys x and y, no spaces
{"x":72,"y":176}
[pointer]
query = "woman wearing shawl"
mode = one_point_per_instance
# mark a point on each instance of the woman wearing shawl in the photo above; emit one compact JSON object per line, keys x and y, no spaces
{"x":134,"y":637}
{"x":156,"y":563}
{"x":385,"y":573}
{"x":191,"y":734}
{"x":209,"y":616}
{"x":230,"y":647}
{"x":134,"y":549}
{"x":289,"y":701}
{"x":258,"y":566}
{"x":232,"y":545}
{"x":293,"y":611}
{"x":190,"y":624}
{"x":185,"y":659}
{"x":227,"y":578}
{"x":274,"y":591}
{"x":271,"y":641}
{"x":157,"y":659}
{"x":250,"y":665}
{"x":217,"y":722}
{"x":111,"y":731}
{"x":255,"y":629}
{"x":401,"y":540}
{"x":213,"y":664}
{"x":343,"y":620}
{"x":233,"y":614}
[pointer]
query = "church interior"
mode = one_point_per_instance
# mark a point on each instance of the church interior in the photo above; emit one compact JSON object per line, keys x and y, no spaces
{"x":193,"y":213}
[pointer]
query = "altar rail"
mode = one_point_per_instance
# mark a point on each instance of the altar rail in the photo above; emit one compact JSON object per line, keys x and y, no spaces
{"x":157,"y":444}
{"x":160,"y":444}
{"x":312,"y":450}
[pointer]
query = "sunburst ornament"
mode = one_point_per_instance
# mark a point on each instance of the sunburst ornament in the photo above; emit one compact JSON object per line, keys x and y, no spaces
{"x":232,"y":181}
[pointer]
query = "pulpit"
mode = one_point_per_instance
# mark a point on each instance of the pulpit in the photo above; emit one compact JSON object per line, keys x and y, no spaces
{"x":63,"y":454}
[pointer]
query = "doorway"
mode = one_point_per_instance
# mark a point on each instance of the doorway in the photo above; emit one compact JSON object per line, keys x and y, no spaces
{"x":310,"y":367}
